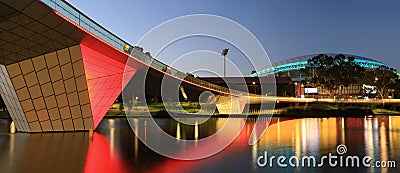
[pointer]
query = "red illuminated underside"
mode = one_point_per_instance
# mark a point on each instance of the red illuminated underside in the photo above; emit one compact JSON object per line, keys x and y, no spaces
{"x":104,"y":75}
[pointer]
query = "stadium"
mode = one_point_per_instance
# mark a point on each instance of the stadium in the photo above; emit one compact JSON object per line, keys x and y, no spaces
{"x":292,"y":68}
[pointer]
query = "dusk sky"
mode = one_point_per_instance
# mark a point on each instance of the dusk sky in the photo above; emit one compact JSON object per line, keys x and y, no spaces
{"x":286,"y":29}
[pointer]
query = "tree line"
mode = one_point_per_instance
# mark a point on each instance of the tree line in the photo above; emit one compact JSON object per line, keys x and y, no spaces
{"x":334,"y":73}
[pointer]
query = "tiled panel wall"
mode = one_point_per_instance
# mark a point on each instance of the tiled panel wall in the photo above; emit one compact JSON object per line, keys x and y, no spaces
{"x":53,"y":92}
{"x":11,"y":100}
{"x":103,"y":93}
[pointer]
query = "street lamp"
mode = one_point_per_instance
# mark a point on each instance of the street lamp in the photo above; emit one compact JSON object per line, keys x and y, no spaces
{"x":224,"y":53}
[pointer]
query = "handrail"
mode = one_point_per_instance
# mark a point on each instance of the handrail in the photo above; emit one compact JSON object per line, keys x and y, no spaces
{"x":85,"y":22}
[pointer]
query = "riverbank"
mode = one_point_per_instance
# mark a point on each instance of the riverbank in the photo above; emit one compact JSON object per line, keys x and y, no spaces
{"x":313,"y":110}
{"x":292,"y":112}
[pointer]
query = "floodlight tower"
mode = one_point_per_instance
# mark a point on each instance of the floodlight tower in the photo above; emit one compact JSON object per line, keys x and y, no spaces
{"x":224,"y":53}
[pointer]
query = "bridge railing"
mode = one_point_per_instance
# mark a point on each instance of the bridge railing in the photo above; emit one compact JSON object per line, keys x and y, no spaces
{"x":184,"y":76}
{"x":85,"y":22}
{"x":82,"y":20}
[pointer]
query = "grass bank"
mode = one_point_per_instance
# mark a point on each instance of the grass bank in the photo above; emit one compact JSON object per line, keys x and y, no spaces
{"x":315,"y":110}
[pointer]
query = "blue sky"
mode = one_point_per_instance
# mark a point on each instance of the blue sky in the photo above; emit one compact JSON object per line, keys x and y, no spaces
{"x":286,"y":29}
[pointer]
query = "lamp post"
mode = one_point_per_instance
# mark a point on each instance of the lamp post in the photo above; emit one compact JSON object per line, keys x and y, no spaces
{"x":224,"y":53}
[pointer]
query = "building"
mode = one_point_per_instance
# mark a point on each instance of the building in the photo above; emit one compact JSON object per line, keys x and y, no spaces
{"x":291,"y":68}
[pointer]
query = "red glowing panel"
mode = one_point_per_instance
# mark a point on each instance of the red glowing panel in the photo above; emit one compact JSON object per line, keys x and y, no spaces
{"x":104,"y":75}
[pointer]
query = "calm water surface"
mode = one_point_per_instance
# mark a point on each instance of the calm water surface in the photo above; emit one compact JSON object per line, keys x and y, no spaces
{"x":113,"y":147}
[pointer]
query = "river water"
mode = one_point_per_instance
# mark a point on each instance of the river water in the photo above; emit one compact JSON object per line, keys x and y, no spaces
{"x":114,"y":147}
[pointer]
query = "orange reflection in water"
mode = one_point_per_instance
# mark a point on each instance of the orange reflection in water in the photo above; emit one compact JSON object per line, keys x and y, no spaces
{"x":172,"y":165}
{"x":239,"y":144}
{"x":100,"y":158}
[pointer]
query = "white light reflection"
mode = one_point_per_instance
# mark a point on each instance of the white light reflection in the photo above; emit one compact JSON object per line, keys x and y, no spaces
{"x":279,"y":130}
{"x":112,"y":136}
{"x":145,"y":130}
{"x":12,"y":128}
{"x":311,"y":135}
{"x":368,"y":137}
{"x":196,"y":131}
{"x":178,"y":131}
{"x":375,"y":136}
{"x":304,"y":134}
{"x":298,"y":140}
{"x":12,"y":143}
{"x":391,"y":137}
{"x":343,"y":138}
{"x":254,"y":148}
{"x":383,"y":144}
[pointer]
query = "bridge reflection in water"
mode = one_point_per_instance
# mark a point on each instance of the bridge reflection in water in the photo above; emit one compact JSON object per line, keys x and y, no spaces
{"x":115,"y":148}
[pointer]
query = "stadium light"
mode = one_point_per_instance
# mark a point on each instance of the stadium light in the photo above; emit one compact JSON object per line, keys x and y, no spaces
{"x":224,"y":53}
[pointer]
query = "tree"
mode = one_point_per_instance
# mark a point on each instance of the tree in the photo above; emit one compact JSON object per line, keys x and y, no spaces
{"x":332,"y":73}
{"x":347,"y":71}
{"x":382,"y":78}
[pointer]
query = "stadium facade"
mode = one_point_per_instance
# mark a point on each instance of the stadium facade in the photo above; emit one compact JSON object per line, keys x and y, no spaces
{"x":292,"y":68}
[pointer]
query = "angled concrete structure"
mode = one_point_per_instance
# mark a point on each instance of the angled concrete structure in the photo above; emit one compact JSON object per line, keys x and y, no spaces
{"x":46,"y":93}
{"x":55,"y":74}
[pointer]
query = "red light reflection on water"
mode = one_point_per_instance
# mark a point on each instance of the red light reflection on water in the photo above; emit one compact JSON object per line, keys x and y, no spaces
{"x":100,"y":158}
{"x":171,"y":165}
{"x":240,"y":143}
